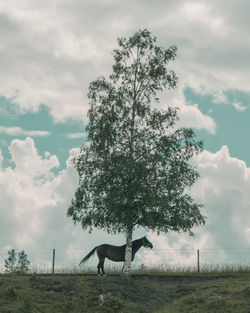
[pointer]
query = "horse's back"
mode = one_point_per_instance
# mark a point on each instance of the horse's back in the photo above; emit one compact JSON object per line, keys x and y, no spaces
{"x":102,"y":250}
{"x":113,"y":253}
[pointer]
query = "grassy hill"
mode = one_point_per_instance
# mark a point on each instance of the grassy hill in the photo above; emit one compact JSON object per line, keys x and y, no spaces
{"x":161,"y":293}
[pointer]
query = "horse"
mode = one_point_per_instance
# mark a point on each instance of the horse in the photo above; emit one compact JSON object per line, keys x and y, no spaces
{"x":115,"y":253}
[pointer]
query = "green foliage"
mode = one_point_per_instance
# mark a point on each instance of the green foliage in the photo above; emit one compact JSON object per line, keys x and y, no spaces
{"x":17,"y":264}
{"x":23,"y":262}
{"x":134,"y":168}
{"x":10,"y":262}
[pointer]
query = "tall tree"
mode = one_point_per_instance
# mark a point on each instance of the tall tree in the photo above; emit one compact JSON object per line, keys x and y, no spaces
{"x":134,"y":167}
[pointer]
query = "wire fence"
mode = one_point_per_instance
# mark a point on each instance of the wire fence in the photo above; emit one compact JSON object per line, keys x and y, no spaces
{"x":56,"y":260}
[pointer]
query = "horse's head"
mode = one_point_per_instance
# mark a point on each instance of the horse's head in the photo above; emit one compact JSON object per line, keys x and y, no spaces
{"x":146,"y":243}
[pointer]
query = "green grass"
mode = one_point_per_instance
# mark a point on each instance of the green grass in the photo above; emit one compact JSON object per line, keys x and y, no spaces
{"x":150,"y":290}
{"x":226,"y":295}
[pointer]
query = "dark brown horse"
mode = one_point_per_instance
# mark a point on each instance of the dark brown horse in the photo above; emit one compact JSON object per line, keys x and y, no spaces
{"x":115,"y":253}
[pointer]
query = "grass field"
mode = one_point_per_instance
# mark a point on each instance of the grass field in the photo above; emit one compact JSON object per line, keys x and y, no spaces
{"x":149,"y":291}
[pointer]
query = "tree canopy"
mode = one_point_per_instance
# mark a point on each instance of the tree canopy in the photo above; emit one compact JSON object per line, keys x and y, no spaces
{"x":134,"y":167}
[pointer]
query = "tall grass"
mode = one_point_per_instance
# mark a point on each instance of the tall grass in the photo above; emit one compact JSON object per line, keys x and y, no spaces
{"x":190,"y":269}
{"x":151,"y":270}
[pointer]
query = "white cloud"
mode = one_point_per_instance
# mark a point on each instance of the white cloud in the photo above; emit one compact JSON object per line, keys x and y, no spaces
{"x":22,"y":197}
{"x":51,"y":51}
{"x":25,"y":194}
{"x":17,"y":131}
{"x":220,"y":97}
{"x":224,"y":190}
{"x":76,"y":135}
{"x":26,"y":159}
{"x":239,"y":107}
{"x":201,"y":13}
{"x":1,"y":159}
{"x":33,"y":207}
{"x":191,"y":116}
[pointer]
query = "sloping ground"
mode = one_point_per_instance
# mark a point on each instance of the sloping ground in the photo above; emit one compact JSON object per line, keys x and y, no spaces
{"x":144,"y":293}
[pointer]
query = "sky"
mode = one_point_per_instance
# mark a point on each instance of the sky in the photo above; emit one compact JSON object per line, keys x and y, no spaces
{"x":50,"y":51}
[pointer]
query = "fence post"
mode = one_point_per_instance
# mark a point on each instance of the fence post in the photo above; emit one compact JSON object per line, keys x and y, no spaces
{"x":198,"y":261}
{"x":53,"y":261}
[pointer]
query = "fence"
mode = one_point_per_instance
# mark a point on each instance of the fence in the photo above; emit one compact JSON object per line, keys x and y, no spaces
{"x":64,"y":260}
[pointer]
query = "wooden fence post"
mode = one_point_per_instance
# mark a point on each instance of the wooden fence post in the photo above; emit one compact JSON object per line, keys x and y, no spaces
{"x":53,"y":261}
{"x":198,"y":261}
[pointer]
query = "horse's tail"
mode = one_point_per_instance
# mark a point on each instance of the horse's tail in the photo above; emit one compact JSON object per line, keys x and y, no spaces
{"x":85,"y":259}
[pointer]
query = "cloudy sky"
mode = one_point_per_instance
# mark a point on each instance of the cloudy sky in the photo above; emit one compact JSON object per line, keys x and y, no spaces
{"x":49,"y":53}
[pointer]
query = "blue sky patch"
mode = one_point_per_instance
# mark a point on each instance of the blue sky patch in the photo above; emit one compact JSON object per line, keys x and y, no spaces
{"x":56,"y":138}
{"x":232,"y":125}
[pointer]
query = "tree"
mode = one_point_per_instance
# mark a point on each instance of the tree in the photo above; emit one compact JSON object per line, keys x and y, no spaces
{"x":23,"y":262}
{"x":18,"y":264}
{"x":10,"y":262}
{"x":134,"y":168}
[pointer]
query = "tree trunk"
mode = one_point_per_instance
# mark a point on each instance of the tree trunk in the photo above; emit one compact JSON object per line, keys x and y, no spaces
{"x":128,"y":256}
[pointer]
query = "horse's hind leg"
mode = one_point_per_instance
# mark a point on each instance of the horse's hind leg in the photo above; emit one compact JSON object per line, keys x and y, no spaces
{"x":100,"y":266}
